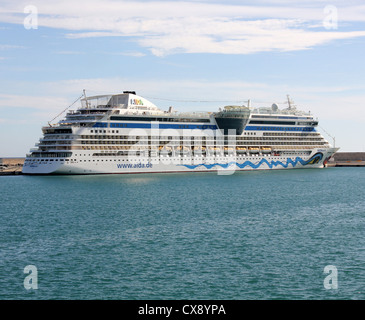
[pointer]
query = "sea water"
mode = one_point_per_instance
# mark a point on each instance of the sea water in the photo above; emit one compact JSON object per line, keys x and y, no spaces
{"x":280,"y":234}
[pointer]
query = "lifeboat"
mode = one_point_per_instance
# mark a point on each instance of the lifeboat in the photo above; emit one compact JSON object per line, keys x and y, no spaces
{"x":241,"y":149}
{"x":254,"y":149}
{"x":266,"y":149}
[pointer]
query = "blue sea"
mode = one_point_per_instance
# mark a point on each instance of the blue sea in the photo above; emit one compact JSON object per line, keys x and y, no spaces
{"x":260,"y":235}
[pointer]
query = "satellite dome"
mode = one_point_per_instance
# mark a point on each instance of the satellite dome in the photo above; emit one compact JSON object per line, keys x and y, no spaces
{"x":274,"y":107}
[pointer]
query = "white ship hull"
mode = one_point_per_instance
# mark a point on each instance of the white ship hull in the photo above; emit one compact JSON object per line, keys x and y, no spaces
{"x":222,"y":165}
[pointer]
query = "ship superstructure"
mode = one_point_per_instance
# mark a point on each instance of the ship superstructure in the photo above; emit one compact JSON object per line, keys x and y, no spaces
{"x":126,"y":133}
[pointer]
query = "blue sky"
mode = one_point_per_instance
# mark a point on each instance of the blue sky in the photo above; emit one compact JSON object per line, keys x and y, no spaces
{"x":179,"y":52}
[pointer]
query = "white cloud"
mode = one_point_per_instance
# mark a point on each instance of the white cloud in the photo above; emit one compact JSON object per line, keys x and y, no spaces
{"x":238,"y":37}
{"x":9,"y":47}
{"x":167,"y":27}
{"x":80,"y":35}
{"x":130,"y":54}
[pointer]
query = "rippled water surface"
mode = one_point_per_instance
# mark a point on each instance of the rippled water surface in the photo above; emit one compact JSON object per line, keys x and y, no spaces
{"x":250,"y":235}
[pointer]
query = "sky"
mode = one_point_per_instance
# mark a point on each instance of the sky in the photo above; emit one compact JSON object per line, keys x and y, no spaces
{"x":193,"y":55}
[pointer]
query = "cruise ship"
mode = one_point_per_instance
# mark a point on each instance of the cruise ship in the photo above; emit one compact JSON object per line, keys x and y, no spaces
{"x":126,"y":133}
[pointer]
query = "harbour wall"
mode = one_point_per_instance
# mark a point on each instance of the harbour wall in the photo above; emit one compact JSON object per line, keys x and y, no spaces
{"x":347,"y":159}
{"x":11,"y":166}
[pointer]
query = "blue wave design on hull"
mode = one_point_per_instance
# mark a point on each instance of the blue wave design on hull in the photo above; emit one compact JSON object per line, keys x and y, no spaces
{"x":313,"y":160}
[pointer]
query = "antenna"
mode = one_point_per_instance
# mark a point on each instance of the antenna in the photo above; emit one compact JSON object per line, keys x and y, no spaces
{"x":87,"y":104}
{"x":290,"y":103}
{"x":287,"y":96}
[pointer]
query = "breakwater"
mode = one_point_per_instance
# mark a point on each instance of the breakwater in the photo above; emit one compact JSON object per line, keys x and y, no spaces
{"x":347,"y":159}
{"x":11,"y":166}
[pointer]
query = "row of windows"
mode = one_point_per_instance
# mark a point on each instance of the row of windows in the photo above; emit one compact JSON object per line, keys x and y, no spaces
{"x":281,"y":128}
{"x":291,"y":134}
{"x":126,"y":137}
{"x":72,"y":161}
{"x":58,"y":131}
{"x":130,"y":137}
{"x":158,"y":119}
{"x":247,"y":157}
{"x":289,"y":123}
{"x":104,"y":131}
{"x":305,"y":134}
{"x":280,"y":117}
{"x":276,"y":146}
{"x":282,"y":138}
{"x":186,"y":141}
{"x":103,"y":142}
{"x":51,"y":155}
{"x":182,"y":138}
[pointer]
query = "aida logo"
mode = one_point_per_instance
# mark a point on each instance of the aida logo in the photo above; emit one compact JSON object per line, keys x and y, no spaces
{"x":137,"y":102}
